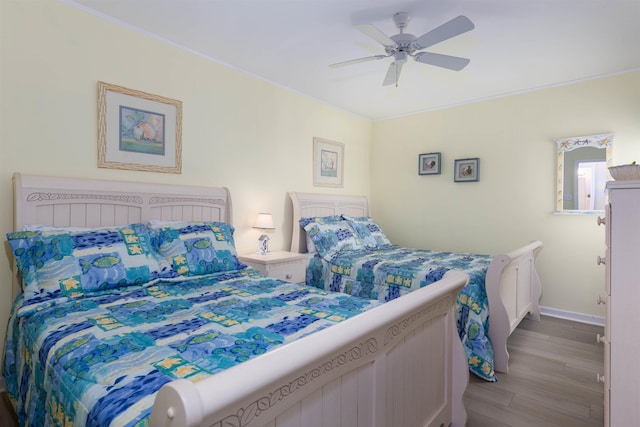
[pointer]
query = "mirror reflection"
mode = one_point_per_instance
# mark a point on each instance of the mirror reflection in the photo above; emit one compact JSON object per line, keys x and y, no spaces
{"x":583,"y":172}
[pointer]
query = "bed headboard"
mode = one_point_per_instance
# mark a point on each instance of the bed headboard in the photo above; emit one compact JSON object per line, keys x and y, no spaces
{"x":93,"y":203}
{"x":316,"y":204}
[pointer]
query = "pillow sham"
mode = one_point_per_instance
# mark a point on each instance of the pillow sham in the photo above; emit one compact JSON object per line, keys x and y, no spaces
{"x":330,"y":235}
{"x":197,"y":248}
{"x":56,"y":264}
{"x":369,"y":233}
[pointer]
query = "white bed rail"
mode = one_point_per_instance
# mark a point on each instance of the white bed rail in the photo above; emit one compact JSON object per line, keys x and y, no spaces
{"x":400,"y":364}
{"x":514,"y":290}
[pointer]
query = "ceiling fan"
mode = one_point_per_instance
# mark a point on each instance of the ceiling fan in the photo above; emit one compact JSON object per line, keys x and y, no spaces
{"x":403,"y":45}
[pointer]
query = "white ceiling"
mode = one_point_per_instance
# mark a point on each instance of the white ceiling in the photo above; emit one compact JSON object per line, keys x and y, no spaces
{"x":516,"y":46}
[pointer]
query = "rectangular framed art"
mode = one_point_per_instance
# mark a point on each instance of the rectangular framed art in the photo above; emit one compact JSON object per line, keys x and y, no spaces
{"x":138,"y":130}
{"x":429,"y":164}
{"x":466,"y":170}
{"x":328,"y":163}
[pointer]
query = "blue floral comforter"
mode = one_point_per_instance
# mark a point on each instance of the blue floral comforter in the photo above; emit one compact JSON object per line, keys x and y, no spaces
{"x":388,"y":272}
{"x":99,"y":360}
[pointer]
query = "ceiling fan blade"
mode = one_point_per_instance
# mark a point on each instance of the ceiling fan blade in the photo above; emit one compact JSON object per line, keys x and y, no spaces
{"x":357,"y":61}
{"x":445,"y":61}
{"x":393,"y":74}
{"x":376,"y":34}
{"x":455,"y":27}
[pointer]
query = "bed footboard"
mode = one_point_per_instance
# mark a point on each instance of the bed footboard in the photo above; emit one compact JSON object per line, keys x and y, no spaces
{"x":514,"y":290}
{"x":400,"y":364}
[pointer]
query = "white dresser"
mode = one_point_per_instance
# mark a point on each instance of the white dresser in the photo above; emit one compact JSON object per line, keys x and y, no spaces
{"x":622,"y":298}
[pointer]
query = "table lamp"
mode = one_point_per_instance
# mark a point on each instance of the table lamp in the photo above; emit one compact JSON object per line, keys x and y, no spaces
{"x":264,"y":221}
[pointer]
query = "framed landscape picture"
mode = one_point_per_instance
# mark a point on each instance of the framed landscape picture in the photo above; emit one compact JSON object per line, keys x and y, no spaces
{"x":138,"y":130}
{"x":328,"y":163}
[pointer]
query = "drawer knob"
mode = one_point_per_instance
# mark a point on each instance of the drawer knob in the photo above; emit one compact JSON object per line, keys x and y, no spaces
{"x":601,"y":300}
{"x":601,"y":260}
{"x":600,"y":378}
{"x":600,"y":339}
{"x":602,"y":220}
{"x":288,"y":276}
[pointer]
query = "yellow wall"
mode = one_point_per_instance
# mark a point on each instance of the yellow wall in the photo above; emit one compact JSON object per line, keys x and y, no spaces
{"x":514,"y":200}
{"x":238,"y":131}
{"x":256,"y":138}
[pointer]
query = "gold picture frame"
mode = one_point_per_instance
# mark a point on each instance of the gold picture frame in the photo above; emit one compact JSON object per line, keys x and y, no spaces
{"x":138,"y":130}
{"x":328,"y":163}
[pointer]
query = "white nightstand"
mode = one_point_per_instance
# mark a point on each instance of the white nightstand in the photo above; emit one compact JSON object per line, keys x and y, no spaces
{"x":287,"y":266}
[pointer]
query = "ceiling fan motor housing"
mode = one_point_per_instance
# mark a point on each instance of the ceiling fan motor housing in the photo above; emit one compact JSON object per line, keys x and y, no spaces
{"x":404,"y":44}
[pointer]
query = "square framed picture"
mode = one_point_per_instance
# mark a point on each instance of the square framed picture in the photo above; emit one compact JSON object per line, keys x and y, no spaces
{"x":429,"y":164}
{"x":466,"y":170}
{"x":138,"y":130}
{"x":328,"y":163}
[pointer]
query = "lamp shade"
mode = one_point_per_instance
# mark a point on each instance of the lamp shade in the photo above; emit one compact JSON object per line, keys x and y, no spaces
{"x":264,"y":221}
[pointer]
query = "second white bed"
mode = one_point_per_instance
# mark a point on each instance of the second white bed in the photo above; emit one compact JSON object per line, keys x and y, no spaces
{"x":512,"y":282}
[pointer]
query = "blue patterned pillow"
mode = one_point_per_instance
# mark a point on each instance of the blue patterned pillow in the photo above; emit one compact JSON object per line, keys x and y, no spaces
{"x":197,"y":248}
{"x":369,"y":233}
{"x":330,"y":235}
{"x":57,"y":264}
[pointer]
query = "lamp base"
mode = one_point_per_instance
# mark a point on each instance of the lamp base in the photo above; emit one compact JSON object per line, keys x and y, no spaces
{"x":264,"y":245}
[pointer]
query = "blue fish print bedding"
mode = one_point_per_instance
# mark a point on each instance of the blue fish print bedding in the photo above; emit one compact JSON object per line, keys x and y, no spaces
{"x":390,"y":271}
{"x":99,"y":359}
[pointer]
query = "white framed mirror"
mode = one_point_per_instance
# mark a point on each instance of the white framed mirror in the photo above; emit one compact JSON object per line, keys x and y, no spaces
{"x":583,"y":171}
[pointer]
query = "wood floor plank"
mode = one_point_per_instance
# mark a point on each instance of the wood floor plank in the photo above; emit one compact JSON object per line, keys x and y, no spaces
{"x":486,"y":391}
{"x":551,"y":380}
{"x":7,"y":414}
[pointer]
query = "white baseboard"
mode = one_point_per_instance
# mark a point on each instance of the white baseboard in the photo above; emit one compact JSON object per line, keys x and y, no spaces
{"x":571,"y":315}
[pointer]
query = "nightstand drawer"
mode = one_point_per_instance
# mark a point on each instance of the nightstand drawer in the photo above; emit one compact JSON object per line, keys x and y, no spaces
{"x":292,"y":271}
{"x":287,"y":266}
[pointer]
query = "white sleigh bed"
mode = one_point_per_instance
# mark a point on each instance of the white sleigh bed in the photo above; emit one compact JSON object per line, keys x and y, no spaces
{"x":400,"y":364}
{"x":512,"y":282}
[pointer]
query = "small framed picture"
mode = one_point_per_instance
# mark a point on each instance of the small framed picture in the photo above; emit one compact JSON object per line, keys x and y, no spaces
{"x":328,"y":163}
{"x":429,"y":164}
{"x":466,"y":170}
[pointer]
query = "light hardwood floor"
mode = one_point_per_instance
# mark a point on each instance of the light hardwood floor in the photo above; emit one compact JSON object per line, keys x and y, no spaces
{"x":551,"y":380}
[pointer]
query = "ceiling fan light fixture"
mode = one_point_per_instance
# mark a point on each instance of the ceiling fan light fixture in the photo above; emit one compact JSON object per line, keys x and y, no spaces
{"x":400,"y":57}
